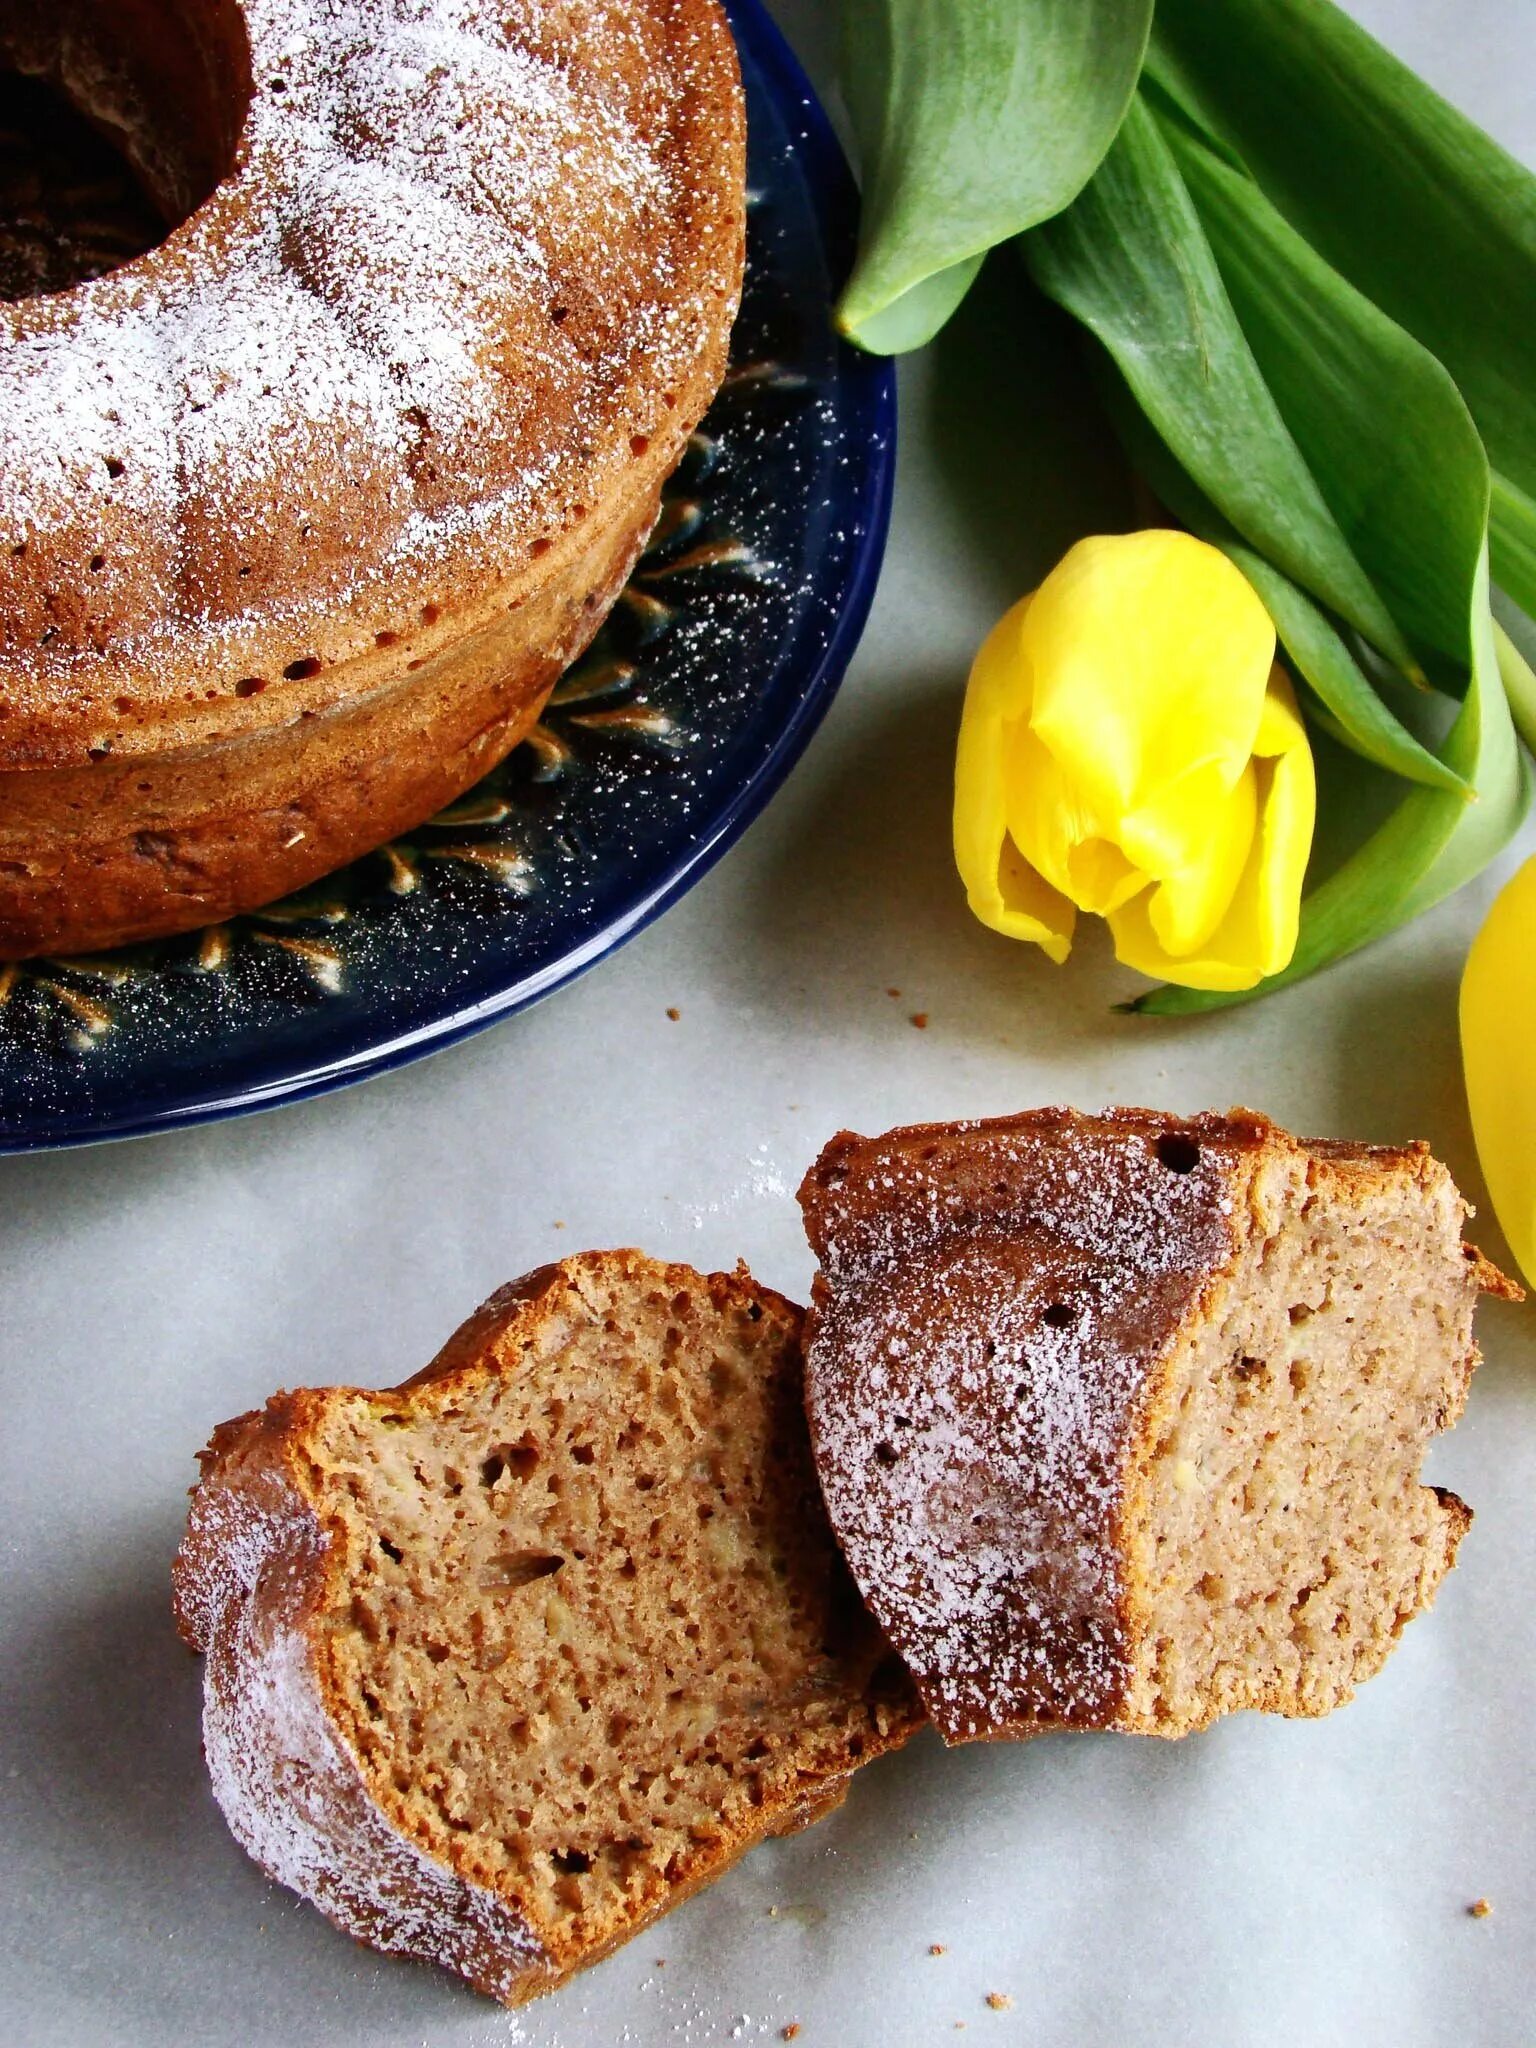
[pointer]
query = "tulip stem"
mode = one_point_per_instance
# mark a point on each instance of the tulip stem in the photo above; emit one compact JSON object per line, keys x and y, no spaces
{"x":1519,"y":685}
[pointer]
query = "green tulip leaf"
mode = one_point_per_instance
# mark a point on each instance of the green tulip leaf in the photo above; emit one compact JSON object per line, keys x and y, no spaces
{"x":1130,"y":259}
{"x":1317,"y":650}
{"x":1364,"y":400}
{"x":1323,"y":659}
{"x":1514,"y":542}
{"x":1354,"y":397}
{"x":1519,"y":685}
{"x":1427,"y":848}
{"x":1403,"y":195}
{"x":975,"y":119}
{"x":914,"y":318}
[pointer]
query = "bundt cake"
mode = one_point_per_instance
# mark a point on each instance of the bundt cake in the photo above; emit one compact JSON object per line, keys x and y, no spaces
{"x":1119,"y":1418}
{"x":303,"y":509}
{"x":504,"y":1662}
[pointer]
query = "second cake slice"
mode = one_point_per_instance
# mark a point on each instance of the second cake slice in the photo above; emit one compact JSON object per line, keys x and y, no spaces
{"x":1120,"y":1418}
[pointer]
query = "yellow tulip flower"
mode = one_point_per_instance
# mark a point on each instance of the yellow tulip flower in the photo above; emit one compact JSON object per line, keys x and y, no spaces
{"x":1498,"y":993}
{"x":1129,"y":748}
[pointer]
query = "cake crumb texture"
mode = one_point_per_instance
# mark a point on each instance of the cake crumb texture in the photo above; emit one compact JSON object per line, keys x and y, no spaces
{"x":503,"y":1663}
{"x":1120,"y":1418}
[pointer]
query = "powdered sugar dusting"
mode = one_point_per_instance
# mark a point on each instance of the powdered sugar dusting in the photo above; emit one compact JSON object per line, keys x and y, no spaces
{"x":410,"y":170}
{"x":994,"y":1299}
{"x":292,"y":1793}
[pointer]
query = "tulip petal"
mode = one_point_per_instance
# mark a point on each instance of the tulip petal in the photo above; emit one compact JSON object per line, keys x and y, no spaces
{"x":1048,"y":824}
{"x":1186,"y":908}
{"x":1257,"y":936}
{"x":1150,"y":654}
{"x":1002,"y":889}
{"x":1261,"y":925}
{"x":993,"y":699}
{"x":1287,"y":817}
{"x":1498,"y":998}
{"x":1171,"y":832}
{"x":1100,"y":876}
{"x":1025,"y":906}
{"x":1129,"y":748}
{"x":1137,"y":945}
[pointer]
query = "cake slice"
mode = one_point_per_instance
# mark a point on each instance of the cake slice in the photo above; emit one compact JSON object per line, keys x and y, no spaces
{"x":1119,"y":1418}
{"x":504,"y":1662}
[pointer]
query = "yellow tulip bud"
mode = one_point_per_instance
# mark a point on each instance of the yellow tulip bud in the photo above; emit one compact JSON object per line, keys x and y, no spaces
{"x":1498,"y":1050}
{"x":1130,"y":748}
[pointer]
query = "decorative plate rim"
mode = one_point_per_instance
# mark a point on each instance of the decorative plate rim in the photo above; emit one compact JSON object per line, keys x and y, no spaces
{"x":830,"y":177}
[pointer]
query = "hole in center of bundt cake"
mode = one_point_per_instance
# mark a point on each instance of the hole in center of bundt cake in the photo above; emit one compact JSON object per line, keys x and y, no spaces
{"x":117,"y":119}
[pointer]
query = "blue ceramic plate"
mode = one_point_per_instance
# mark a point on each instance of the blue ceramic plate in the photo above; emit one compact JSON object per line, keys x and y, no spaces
{"x":656,"y":750}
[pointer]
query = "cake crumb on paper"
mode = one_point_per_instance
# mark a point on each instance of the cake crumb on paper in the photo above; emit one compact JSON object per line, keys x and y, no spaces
{"x":674,"y":1014}
{"x":999,"y":2001}
{"x":791,"y":2032}
{"x":893,"y":991}
{"x":937,"y":1948}
{"x":1480,"y":1908}
{"x":920,"y":1019}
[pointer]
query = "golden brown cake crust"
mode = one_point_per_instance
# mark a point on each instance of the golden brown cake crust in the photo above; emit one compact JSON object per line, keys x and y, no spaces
{"x":262,"y":1572}
{"x":988,"y":1367}
{"x":338,"y":476}
{"x":140,"y":846}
